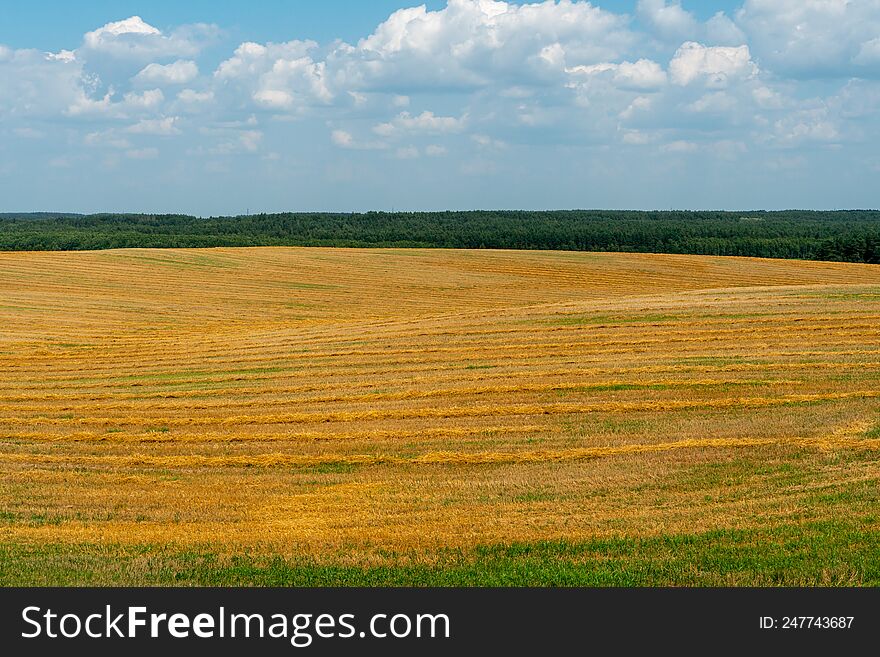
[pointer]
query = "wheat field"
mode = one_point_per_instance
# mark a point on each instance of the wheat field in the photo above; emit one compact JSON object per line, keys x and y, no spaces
{"x":368,"y":408}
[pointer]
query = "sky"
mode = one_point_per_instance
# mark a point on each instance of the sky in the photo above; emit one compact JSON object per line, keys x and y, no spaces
{"x":231,"y":107}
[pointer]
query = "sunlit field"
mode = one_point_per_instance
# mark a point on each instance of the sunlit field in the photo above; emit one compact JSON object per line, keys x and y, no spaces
{"x":277,"y":416}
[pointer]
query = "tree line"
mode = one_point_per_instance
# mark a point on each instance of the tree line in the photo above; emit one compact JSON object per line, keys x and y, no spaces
{"x":850,"y":235}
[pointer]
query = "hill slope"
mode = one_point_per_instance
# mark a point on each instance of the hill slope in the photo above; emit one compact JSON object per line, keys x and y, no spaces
{"x":333,"y":416}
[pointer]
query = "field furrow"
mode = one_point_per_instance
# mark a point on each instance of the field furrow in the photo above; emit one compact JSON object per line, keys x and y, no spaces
{"x":346,"y":403}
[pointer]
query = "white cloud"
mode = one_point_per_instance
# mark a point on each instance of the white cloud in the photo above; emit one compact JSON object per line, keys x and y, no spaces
{"x":812,"y":38}
{"x":425,"y":123}
{"x":281,"y":77}
{"x":160,"y":127}
{"x":643,"y":75}
{"x":180,"y":72}
{"x":135,"y":39}
{"x":718,"y":102}
{"x":132,"y":104}
{"x":869,"y":53}
{"x":234,"y":142}
{"x":83,"y":105}
{"x":193,"y":97}
{"x":639,"y":104}
{"x":722,"y":31}
{"x":637,"y":138}
{"x":767,"y":98}
{"x":106,"y":138}
{"x":66,"y":56}
{"x":134,"y":26}
{"x":476,"y":43}
{"x":669,"y":21}
{"x":858,"y":101}
{"x":359,"y":99}
{"x":809,"y":125}
{"x":250,"y":140}
{"x":146,"y":100}
{"x":714,"y":66}
{"x":33,"y":84}
{"x":342,"y":138}
{"x":553,"y":74}
{"x":485,"y":141}
{"x":293,"y":82}
{"x":673,"y":24}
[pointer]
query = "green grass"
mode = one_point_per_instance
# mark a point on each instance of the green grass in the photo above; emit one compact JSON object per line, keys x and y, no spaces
{"x":867,"y":295}
{"x":329,"y":468}
{"x":832,"y":553}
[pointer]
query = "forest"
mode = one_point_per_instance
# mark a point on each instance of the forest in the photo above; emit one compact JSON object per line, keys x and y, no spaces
{"x":846,"y":235}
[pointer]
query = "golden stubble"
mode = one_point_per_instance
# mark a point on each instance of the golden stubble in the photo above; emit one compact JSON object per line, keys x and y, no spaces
{"x":345,"y":402}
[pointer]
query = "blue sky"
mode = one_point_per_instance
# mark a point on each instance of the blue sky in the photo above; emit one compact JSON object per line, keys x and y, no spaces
{"x":219,"y":107}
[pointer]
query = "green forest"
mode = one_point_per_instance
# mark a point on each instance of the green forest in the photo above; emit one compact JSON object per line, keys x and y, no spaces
{"x":850,"y":235}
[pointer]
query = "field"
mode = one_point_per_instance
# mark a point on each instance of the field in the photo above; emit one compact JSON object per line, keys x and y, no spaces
{"x":277,"y":416}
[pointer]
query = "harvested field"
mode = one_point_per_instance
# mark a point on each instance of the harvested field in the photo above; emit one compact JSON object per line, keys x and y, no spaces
{"x":400,"y":415}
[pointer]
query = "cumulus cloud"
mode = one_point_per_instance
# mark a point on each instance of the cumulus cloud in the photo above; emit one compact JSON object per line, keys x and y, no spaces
{"x":806,"y":125}
{"x":475,"y":43}
{"x":714,"y":66}
{"x":233,"y":141}
{"x":161,"y":127}
{"x":131,"y":104}
{"x":279,"y":77}
{"x":637,"y":138}
{"x":425,"y":123}
{"x":35,"y":84}
{"x":135,"y":39}
{"x":180,"y":72}
{"x":813,"y":38}
{"x":668,"y":20}
{"x":720,"y":30}
{"x":344,"y":139}
{"x":106,"y":139}
{"x":62,"y":56}
{"x":642,"y":75}
{"x":869,"y":53}
{"x":129,"y":28}
{"x":485,"y":141}
{"x":717,"y":102}
{"x":193,"y":97}
{"x":495,"y":75}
